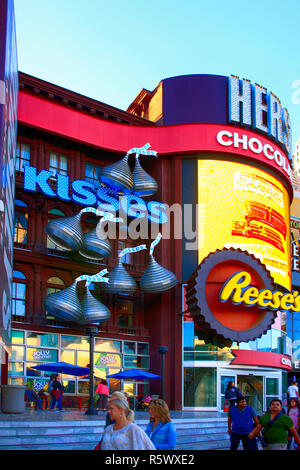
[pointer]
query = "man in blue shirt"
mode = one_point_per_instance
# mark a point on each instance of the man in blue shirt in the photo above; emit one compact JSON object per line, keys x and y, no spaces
{"x":240,"y":424}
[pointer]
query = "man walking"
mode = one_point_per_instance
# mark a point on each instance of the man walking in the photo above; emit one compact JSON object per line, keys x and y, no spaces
{"x":275,"y":426}
{"x":240,"y":424}
{"x":293,"y":391}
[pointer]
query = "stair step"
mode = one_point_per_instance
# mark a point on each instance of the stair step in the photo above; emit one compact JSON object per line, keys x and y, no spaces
{"x":77,"y":434}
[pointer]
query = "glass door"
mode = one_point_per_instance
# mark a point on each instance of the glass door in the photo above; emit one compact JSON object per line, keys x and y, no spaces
{"x":272,"y":389}
{"x":251,"y":387}
{"x":224,"y":381}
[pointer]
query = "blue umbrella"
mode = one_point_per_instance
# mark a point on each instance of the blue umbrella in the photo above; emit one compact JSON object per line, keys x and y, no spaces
{"x":134,"y":374}
{"x":63,"y":368}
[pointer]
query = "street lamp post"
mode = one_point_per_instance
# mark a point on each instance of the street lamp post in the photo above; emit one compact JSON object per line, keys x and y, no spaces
{"x":162,"y":351}
{"x":91,"y":331}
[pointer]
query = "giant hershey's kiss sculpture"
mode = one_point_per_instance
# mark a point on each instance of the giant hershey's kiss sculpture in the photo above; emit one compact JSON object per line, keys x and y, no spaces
{"x":67,"y":233}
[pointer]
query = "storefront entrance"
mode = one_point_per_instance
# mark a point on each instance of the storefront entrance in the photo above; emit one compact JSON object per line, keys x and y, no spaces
{"x":252,"y":389}
{"x":259,"y":388}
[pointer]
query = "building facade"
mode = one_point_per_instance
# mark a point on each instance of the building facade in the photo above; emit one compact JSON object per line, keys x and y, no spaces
{"x":222,"y":205}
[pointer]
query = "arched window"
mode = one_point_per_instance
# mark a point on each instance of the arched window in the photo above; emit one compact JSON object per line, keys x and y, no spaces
{"x":57,"y":212}
{"x":54,"y":214}
{"x":21,"y":223}
{"x":19,"y":294}
{"x":54,"y":284}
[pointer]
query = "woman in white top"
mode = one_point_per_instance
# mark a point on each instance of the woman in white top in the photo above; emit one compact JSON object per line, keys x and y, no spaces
{"x":124,"y":434}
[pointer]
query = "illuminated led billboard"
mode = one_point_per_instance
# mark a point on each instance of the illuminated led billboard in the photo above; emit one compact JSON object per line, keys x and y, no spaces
{"x":244,"y":207}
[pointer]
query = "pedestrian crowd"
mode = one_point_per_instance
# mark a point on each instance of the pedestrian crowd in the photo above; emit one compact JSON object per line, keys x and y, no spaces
{"x":276,"y":429}
{"x":121,"y":433}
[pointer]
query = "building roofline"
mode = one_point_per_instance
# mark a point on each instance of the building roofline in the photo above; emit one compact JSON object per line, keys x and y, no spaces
{"x":78,"y":101}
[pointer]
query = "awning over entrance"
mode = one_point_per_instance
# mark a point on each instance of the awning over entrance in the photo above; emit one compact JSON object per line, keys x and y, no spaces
{"x":261,"y":358}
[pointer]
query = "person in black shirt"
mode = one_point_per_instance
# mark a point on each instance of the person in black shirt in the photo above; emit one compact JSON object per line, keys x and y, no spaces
{"x":57,"y":392}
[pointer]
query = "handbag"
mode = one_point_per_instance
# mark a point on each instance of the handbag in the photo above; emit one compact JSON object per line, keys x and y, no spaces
{"x":98,"y":446}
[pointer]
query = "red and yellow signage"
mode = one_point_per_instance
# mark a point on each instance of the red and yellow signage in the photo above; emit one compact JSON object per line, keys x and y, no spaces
{"x":239,"y":290}
{"x":244,"y":207}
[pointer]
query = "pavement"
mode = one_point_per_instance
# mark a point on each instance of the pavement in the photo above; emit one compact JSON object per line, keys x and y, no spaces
{"x":31,"y":414}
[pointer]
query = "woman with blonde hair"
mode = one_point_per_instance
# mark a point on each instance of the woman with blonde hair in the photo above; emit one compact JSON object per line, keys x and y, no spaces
{"x":124,"y":434}
{"x":160,"y":429}
{"x":117,"y":396}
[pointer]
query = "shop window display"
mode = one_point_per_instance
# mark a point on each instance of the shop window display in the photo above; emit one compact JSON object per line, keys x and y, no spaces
{"x":31,"y":348}
{"x":200,"y":387}
{"x":44,"y":340}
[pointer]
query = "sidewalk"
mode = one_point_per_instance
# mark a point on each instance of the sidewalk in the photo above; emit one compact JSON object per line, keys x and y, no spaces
{"x":31,"y":414}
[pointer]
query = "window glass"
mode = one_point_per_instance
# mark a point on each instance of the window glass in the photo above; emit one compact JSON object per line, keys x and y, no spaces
{"x":143,"y":362}
{"x":36,"y":384}
{"x":67,"y":356}
{"x":107,"y":359}
{"x":132,"y":362}
{"x":30,"y":372}
{"x":18,"y":298}
{"x":17,"y":337}
{"x":15,"y":368}
{"x":17,"y":353}
{"x":107,"y":345}
{"x":42,"y":355}
{"x":58,"y":164}
{"x":91,"y":174}
{"x":129,"y":347}
{"x":18,"y":275}
{"x":271,"y":386}
{"x":16,"y":381}
{"x":22,"y":156}
{"x":129,"y":388}
{"x":69,"y":386}
{"x":200,"y":387}
{"x":189,"y":336}
{"x":83,"y":358}
{"x":55,"y":280}
{"x":74,"y":342}
{"x":40,"y":339}
{"x":114,"y":384}
{"x":20,"y":227}
{"x":143,"y":348}
{"x":84,"y":387}
{"x":57,"y":212}
{"x":20,"y":203}
{"x":100,"y":372}
{"x":125,"y":321}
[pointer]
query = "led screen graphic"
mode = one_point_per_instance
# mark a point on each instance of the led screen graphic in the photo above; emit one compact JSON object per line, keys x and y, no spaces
{"x":244,"y":207}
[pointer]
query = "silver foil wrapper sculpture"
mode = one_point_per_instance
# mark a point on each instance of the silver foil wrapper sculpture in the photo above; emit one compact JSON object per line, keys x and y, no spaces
{"x":66,"y":232}
{"x":117,"y":175}
{"x":144,"y":184}
{"x":156,"y":278}
{"x":93,"y":311}
{"x":93,"y":247}
{"x":120,"y":282}
{"x":64,"y":305}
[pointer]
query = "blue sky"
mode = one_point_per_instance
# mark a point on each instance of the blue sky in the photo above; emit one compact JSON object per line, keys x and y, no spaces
{"x":109,"y":51}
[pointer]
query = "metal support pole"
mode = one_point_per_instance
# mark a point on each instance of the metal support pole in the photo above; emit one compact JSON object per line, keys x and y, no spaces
{"x":162,"y":351}
{"x":91,"y":331}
